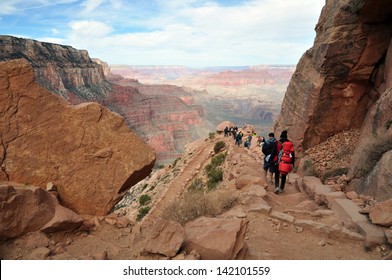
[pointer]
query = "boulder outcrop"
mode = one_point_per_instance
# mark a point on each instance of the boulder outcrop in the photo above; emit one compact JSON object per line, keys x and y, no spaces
{"x":87,"y":151}
{"x":27,"y":209}
{"x":344,"y":82}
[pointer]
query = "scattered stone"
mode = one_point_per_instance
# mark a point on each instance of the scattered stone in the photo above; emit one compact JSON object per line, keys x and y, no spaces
{"x":216,"y":238}
{"x":165,"y":238}
{"x":351,"y":195}
{"x":322,"y":243}
{"x":39,"y":254}
{"x":282,"y":216}
{"x":381,"y":213}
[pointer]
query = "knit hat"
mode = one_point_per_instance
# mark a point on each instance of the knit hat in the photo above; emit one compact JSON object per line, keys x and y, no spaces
{"x":283,"y":135}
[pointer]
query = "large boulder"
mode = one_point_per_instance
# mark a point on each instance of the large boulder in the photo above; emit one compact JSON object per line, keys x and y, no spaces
{"x":26,"y":209}
{"x":381,"y":213}
{"x":87,"y":151}
{"x":215,"y":238}
{"x":166,"y":238}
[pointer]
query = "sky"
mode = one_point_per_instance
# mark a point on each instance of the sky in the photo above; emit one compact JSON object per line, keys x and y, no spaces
{"x":192,"y":33}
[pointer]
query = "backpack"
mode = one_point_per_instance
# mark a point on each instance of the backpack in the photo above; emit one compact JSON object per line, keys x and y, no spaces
{"x":285,"y":153}
{"x":267,"y":147}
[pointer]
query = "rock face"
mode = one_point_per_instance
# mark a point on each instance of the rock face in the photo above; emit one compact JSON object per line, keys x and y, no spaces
{"x":61,"y":69}
{"x":87,"y":151}
{"x":344,"y":82}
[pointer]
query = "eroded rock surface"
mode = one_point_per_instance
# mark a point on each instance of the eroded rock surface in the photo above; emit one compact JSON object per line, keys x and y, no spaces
{"x":87,"y":151}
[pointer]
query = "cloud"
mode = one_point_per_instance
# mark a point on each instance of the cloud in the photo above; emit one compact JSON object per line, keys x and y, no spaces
{"x":188,"y":32}
{"x":8,"y":7}
{"x":91,"y":5}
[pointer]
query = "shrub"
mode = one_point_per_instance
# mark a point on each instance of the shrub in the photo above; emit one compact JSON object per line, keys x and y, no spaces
{"x":142,"y":212}
{"x":219,"y":146}
{"x":218,"y":160}
{"x":144,"y":199}
{"x":214,"y":177}
{"x":196,"y":185}
{"x":211,"y":135}
{"x":196,"y":204}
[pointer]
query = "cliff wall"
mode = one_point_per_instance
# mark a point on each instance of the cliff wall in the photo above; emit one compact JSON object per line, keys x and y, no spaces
{"x":344,"y":82}
{"x":61,"y":69}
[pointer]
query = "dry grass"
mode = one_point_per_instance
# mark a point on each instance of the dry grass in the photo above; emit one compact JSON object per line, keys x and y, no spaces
{"x":196,"y":204}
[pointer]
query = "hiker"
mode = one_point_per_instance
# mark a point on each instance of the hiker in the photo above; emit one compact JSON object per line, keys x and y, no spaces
{"x":250,"y":140}
{"x":267,"y":148}
{"x":283,"y":158}
{"x":247,"y":144}
{"x":260,"y":140}
{"x":226,"y":131}
{"x":238,"y":138}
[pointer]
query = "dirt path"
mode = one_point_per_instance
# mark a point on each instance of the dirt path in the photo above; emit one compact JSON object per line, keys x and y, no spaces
{"x":271,"y":238}
{"x":267,"y":236}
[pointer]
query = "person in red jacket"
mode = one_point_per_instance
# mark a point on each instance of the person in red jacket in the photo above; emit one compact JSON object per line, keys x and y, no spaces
{"x":283,"y":157}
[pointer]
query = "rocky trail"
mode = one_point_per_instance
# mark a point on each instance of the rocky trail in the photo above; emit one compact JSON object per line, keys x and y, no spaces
{"x":290,"y":225}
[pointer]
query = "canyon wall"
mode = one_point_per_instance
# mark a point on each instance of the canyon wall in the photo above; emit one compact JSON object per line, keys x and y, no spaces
{"x":86,"y":151}
{"x":344,"y":82}
{"x":60,"y":69}
{"x":163,"y":115}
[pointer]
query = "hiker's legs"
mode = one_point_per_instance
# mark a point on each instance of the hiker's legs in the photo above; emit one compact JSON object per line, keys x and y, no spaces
{"x":283,"y":182}
{"x":276,"y":180}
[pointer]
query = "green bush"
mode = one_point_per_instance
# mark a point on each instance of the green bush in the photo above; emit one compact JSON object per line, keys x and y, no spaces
{"x":142,"y":212}
{"x":219,"y":146}
{"x":211,"y":135}
{"x":214,"y":177}
{"x":144,"y":199}
{"x":218,"y":160}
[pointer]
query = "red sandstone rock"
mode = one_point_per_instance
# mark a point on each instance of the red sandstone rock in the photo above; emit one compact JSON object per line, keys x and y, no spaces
{"x":165,"y":238}
{"x":87,"y":151}
{"x":215,"y":238}
{"x":381,"y":213}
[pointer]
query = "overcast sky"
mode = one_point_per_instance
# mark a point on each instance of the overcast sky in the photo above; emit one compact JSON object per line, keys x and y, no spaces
{"x":193,"y":33}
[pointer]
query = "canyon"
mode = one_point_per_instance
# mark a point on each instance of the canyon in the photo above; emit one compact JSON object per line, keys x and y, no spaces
{"x":73,"y":172}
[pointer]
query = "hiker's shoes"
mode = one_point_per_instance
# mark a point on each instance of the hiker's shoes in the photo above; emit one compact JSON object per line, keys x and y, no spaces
{"x":281,"y":190}
{"x":276,"y":190}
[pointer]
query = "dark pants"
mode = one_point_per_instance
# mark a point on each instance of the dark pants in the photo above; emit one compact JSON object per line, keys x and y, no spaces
{"x":282,"y":183}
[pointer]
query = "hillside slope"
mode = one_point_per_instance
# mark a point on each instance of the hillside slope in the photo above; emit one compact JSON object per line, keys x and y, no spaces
{"x":290,"y":225}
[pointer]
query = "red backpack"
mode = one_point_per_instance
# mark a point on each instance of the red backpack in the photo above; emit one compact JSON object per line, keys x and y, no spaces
{"x":285,"y":157}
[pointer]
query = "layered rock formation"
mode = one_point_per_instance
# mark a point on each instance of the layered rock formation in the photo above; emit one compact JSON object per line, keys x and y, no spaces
{"x":163,"y":115}
{"x":344,"y":82}
{"x":58,"y":68}
{"x":88,"y":152}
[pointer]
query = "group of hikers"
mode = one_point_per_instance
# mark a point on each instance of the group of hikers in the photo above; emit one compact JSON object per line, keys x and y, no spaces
{"x":237,"y":136}
{"x":279,"y":155}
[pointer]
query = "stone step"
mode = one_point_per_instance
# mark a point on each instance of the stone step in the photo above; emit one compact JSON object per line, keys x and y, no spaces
{"x":347,"y":211}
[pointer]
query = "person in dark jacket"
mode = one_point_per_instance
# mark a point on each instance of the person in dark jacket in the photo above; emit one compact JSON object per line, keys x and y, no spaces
{"x":274,"y":159}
